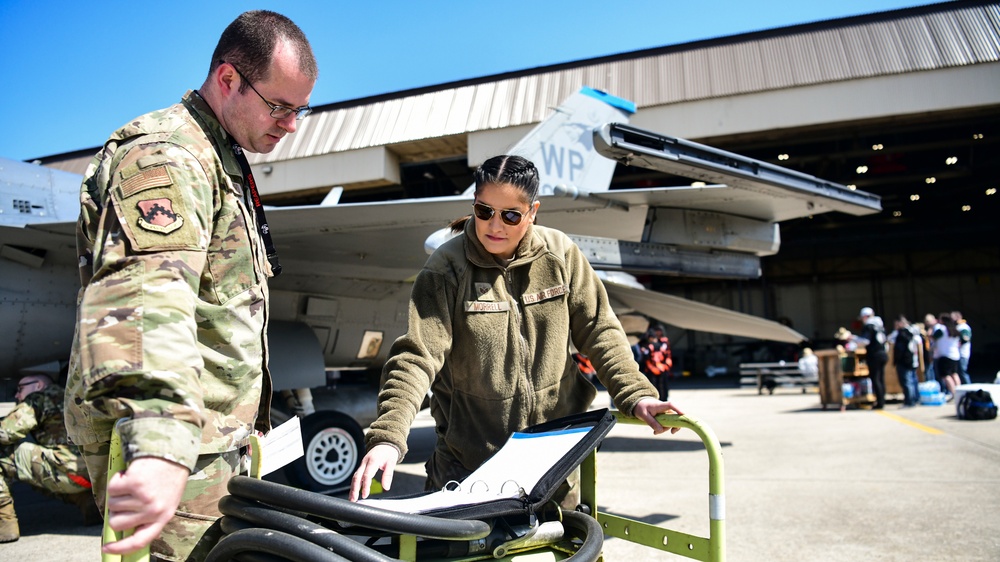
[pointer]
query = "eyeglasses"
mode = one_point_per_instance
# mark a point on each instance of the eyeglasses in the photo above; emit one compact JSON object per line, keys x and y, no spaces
{"x":23,"y":385}
{"x":509,"y":217}
{"x":277,"y":111}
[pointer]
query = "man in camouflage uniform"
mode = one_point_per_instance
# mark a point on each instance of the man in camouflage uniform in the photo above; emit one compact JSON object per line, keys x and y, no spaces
{"x":47,"y":461}
{"x":174,"y":260}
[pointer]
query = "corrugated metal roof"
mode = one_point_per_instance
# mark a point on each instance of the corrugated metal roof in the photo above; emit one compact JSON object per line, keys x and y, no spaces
{"x":936,"y":37}
{"x":911,"y":40}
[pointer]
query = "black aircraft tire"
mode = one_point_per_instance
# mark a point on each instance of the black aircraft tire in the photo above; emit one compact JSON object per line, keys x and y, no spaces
{"x":334,"y":445}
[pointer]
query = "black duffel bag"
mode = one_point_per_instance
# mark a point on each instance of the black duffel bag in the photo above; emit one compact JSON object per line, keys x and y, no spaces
{"x":977,"y":405}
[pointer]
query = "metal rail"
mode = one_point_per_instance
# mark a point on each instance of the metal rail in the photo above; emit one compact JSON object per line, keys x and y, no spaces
{"x":708,"y":549}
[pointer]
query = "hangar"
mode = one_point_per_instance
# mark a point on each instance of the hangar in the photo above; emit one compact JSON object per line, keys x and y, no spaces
{"x":904,"y":104}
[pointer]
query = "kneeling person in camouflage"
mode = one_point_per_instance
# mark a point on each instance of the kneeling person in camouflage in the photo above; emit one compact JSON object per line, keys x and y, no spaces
{"x":47,"y":460}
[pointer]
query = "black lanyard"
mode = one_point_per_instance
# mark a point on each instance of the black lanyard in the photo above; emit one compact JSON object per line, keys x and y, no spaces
{"x":258,"y":208}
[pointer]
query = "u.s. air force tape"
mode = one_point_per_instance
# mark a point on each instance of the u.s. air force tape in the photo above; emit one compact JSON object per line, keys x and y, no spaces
{"x":547,"y":294}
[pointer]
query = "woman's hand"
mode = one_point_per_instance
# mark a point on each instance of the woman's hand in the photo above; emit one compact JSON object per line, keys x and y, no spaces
{"x":648,"y":408}
{"x":381,"y":457}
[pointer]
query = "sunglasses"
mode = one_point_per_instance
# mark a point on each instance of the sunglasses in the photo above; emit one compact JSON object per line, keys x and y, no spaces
{"x":509,"y":217}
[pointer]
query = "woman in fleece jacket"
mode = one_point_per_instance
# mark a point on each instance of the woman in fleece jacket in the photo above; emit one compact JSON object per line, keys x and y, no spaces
{"x":491,"y":319}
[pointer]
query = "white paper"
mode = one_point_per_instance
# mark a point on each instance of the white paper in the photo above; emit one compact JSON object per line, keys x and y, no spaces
{"x":512,"y":472}
{"x":281,"y":445}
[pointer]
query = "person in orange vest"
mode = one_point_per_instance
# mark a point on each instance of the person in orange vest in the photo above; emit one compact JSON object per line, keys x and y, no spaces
{"x":656,"y":361}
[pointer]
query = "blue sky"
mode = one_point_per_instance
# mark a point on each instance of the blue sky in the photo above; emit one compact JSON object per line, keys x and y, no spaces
{"x":74,"y":71}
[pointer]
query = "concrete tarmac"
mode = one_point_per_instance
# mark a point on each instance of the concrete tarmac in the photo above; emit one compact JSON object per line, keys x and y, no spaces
{"x":802,"y":483}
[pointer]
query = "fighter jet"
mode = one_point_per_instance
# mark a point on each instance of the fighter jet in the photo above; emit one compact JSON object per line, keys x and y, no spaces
{"x":347,"y":268}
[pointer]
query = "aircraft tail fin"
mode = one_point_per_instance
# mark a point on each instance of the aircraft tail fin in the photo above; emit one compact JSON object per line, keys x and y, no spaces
{"x":562,"y":145}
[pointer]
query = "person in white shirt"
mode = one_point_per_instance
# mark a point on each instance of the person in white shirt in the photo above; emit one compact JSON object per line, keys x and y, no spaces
{"x":946,"y":345}
{"x":965,"y":346}
{"x":809,"y":365}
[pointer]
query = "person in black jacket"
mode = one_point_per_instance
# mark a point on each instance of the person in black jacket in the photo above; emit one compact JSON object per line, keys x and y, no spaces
{"x":873,"y":338}
{"x":907,"y":346}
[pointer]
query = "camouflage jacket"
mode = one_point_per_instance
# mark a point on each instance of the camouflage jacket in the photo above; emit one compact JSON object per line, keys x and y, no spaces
{"x":40,"y":416}
{"x":172,"y":315}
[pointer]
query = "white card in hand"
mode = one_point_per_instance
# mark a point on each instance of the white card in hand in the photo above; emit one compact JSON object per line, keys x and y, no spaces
{"x":282,"y":445}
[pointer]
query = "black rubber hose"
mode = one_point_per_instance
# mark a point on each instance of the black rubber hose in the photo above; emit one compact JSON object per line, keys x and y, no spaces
{"x":270,"y":542}
{"x":592,"y":534}
{"x":259,"y":557}
{"x":343,"y":511}
{"x":286,"y":531}
{"x":230,"y":524}
{"x":261,"y":516}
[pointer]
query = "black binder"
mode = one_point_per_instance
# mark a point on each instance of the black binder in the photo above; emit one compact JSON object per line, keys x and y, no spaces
{"x":565,"y":441}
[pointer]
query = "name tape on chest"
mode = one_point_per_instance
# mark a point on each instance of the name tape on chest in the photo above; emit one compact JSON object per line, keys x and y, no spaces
{"x":481,"y":306}
{"x":551,"y":292}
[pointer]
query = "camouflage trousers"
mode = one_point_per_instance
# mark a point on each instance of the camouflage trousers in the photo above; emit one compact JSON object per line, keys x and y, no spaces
{"x":194,"y":529}
{"x":38,"y":466}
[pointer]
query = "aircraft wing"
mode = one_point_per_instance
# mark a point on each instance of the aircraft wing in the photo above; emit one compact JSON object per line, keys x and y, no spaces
{"x":33,"y":245}
{"x":385,"y":240}
{"x":691,"y":315}
{"x":371,"y":248}
{"x":381,"y":241}
{"x":367,"y":248}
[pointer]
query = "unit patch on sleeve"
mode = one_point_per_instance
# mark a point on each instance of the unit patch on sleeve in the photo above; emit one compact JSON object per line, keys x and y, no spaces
{"x":157,"y":191}
{"x":158,"y":215}
{"x":154,"y":213}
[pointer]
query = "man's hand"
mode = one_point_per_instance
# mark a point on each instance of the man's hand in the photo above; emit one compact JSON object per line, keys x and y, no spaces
{"x":648,"y":408}
{"x":381,"y":457}
{"x":143,"y":497}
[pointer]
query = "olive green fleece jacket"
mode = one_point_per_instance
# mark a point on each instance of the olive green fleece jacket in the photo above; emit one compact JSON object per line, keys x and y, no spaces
{"x":492,"y":343}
